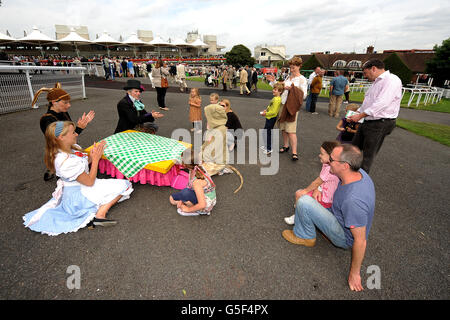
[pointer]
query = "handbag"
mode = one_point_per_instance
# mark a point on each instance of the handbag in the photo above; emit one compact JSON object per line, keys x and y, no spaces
{"x":164,"y":82}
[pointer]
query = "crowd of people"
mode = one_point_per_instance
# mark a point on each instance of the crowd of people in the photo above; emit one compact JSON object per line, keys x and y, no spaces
{"x":340,"y":202}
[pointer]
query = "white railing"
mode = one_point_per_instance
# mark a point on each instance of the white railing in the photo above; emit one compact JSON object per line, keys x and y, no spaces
{"x":19,"y":83}
{"x":418,"y":93}
{"x":430,"y":95}
{"x":94,"y":68}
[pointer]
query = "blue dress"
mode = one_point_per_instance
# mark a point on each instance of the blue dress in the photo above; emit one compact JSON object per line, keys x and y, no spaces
{"x":74,"y":205}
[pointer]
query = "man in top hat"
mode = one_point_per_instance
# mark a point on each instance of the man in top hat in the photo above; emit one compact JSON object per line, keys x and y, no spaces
{"x":132,"y":114}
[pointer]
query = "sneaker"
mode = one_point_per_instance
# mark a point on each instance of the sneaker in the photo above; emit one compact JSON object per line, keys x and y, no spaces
{"x":165,"y":108}
{"x":187,"y":214}
{"x":192,"y":129}
{"x":345,"y":101}
{"x":315,"y":113}
{"x":265,"y":151}
{"x":290,"y":220}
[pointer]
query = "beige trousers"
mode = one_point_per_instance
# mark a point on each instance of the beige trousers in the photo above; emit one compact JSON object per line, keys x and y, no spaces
{"x":244,"y":85}
{"x":335,"y":106}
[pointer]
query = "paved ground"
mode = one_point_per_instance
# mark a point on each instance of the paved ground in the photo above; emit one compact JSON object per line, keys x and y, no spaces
{"x":238,"y":251}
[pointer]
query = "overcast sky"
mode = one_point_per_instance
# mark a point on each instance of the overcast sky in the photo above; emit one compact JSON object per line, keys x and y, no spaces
{"x":302,"y":26}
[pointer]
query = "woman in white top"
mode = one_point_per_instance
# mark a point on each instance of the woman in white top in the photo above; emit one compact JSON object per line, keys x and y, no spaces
{"x":80,"y":199}
{"x":160,"y":72}
{"x":289,"y":129}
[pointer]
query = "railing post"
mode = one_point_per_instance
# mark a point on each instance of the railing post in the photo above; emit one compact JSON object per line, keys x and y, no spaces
{"x":82,"y":84}
{"x":30,"y":88}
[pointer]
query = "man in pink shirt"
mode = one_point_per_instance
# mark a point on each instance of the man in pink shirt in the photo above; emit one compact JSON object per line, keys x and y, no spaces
{"x":380,"y":109}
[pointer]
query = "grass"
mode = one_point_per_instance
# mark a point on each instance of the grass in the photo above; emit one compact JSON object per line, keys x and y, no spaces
{"x":436,"y":132}
{"x":261,"y":84}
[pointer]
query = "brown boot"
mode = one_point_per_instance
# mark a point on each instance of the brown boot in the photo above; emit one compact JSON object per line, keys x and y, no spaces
{"x":292,"y":238}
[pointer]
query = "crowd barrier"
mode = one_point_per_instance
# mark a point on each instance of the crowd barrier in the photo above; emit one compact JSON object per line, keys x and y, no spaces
{"x":19,"y":83}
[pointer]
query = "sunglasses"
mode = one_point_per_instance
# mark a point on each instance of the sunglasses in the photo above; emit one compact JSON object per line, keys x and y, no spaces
{"x":331,"y":160}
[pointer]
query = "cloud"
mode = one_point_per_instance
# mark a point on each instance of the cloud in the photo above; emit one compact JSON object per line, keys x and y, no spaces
{"x":303,"y":27}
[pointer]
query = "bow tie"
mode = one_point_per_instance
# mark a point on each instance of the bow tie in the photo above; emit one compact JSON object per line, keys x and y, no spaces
{"x":138,"y":105}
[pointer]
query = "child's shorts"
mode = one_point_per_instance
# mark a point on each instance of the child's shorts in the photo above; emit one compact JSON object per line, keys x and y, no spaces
{"x":185,"y":195}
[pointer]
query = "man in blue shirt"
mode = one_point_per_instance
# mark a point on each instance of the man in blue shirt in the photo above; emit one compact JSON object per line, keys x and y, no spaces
{"x":347,"y":223}
{"x":337,"y":90}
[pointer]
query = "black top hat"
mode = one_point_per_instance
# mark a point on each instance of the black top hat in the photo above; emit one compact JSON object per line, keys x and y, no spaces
{"x":133,"y":84}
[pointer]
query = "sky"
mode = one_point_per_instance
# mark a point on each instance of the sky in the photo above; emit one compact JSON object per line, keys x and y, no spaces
{"x":301,"y":26}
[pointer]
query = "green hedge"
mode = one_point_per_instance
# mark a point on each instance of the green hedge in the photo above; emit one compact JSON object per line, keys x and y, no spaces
{"x":395,"y":65}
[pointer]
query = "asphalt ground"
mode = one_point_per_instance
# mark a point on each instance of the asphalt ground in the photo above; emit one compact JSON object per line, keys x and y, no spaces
{"x":237,"y":252}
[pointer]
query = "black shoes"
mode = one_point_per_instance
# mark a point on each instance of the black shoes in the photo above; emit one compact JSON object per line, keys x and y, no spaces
{"x":48,"y":176}
{"x":101,"y":222}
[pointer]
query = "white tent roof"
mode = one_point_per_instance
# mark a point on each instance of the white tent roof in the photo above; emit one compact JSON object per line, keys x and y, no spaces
{"x":74,"y":37}
{"x":105,"y":38}
{"x":36,"y":36}
{"x":159,"y":42}
{"x":5,"y":38}
{"x":181,"y":43}
{"x":133,"y":39}
{"x":199,"y":43}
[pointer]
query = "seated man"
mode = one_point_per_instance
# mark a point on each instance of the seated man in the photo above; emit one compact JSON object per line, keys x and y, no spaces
{"x":347,"y":223}
{"x":132,"y":114}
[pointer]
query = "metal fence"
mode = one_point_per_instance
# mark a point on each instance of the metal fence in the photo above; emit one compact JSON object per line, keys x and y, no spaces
{"x":418,"y":94}
{"x":19,"y":83}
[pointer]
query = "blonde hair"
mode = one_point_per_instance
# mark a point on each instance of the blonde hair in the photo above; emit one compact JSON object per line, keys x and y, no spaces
{"x":52,"y":144}
{"x":296,"y":61}
{"x":214,"y":96}
{"x":196,"y":92}
{"x":279,"y":86}
{"x":227,"y":105}
{"x":352,"y":106}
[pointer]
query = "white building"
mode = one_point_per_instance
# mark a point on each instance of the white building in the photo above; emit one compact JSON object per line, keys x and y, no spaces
{"x":268,"y":54}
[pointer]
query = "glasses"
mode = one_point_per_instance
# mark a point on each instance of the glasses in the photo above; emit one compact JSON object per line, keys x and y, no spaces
{"x":331,"y":160}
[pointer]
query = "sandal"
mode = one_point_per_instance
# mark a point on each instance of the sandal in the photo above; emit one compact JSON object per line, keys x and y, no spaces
{"x":294,"y":157}
{"x":284,"y":149}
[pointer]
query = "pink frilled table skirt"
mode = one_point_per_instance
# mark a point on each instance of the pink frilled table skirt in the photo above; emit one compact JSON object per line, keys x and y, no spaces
{"x":144,"y":176}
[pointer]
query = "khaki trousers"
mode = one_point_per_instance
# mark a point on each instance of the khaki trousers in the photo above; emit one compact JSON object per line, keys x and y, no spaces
{"x":244,"y":85}
{"x":335,"y":106}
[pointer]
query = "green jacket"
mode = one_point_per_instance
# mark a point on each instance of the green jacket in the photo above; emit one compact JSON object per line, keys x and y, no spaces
{"x":274,"y":108}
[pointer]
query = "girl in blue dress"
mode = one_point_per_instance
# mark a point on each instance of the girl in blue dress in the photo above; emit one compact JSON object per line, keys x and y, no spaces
{"x":80,"y":199}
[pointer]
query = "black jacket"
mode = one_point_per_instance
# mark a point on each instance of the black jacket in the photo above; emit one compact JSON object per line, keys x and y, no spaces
{"x":53,"y":116}
{"x":129,"y":117}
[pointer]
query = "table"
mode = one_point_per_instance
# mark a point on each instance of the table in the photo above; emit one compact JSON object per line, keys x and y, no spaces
{"x":160,"y":173}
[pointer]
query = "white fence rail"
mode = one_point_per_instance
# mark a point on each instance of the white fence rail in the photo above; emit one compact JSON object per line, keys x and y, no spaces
{"x":19,"y":83}
{"x":417,"y":93}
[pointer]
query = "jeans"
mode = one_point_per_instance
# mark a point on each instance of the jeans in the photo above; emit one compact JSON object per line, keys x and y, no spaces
{"x":270,"y":123}
{"x":309,"y":213}
{"x":312,"y":107}
{"x":308,"y":103}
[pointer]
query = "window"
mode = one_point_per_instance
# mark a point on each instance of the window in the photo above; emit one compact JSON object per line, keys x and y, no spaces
{"x":339,"y":64}
{"x":262,"y":54}
{"x":356,"y":64}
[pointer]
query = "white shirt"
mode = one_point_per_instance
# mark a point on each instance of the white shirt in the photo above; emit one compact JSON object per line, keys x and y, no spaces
{"x":311,"y":77}
{"x":382,"y":99}
{"x":300,"y":82}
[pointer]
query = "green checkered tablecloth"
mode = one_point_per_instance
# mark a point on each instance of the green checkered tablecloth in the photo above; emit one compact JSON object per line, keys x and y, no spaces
{"x":130,"y":152}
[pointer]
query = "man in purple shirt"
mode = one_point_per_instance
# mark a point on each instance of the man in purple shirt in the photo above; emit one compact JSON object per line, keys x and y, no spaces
{"x":380,"y":109}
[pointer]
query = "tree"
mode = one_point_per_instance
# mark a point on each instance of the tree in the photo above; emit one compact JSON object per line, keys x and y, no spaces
{"x":240,"y":56}
{"x":395,"y":65}
{"x":439,"y":66}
